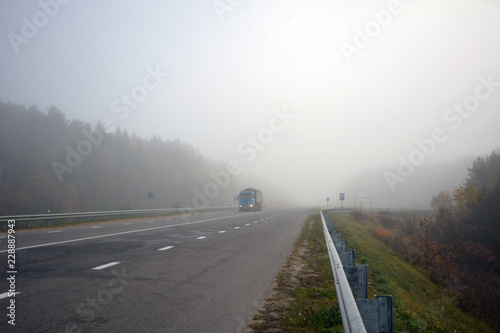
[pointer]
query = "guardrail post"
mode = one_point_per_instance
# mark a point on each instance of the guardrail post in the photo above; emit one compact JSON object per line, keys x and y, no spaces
{"x":331,"y":227}
{"x":376,"y":313}
{"x":347,"y":257}
{"x":337,"y":241}
{"x":358,"y":279}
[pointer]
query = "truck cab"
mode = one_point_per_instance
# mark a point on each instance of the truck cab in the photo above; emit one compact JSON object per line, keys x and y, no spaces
{"x":250,"y":200}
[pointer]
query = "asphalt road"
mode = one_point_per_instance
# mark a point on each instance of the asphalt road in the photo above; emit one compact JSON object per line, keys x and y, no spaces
{"x":197,"y":273}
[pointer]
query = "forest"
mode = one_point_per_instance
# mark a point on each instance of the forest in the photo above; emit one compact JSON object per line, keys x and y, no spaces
{"x":51,"y":164}
{"x":459,"y":243}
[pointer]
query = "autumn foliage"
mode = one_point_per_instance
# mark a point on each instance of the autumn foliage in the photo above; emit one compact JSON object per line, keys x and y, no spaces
{"x":383,"y":233}
{"x":459,"y":246}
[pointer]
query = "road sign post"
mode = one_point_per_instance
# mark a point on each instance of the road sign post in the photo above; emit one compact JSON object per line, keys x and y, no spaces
{"x":150,"y":196}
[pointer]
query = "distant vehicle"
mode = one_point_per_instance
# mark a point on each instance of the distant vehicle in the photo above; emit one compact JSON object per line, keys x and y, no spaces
{"x":250,"y":199}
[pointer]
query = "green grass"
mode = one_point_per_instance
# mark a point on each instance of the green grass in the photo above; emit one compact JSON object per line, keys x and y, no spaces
{"x":315,"y":306}
{"x":419,"y":305}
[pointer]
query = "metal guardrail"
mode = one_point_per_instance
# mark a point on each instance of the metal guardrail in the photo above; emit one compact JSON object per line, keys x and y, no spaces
{"x":48,"y":218}
{"x":358,"y":314}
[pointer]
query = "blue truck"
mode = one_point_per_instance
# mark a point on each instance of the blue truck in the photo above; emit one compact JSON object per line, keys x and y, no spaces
{"x":250,"y":199}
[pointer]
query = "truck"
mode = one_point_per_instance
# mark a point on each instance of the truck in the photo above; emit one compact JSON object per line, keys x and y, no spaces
{"x":250,"y":199}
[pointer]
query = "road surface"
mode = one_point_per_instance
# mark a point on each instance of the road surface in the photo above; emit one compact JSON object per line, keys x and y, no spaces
{"x":198,"y":273}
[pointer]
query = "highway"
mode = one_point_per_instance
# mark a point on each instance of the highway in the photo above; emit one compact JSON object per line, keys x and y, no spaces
{"x":194,"y":273}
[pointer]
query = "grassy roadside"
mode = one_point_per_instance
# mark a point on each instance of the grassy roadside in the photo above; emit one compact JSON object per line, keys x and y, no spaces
{"x":303,"y":297}
{"x":419,"y":305}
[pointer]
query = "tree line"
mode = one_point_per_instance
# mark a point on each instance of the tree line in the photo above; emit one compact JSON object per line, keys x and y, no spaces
{"x":459,"y":243}
{"x":51,"y":164}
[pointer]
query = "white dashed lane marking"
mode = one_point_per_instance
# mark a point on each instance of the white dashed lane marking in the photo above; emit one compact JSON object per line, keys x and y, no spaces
{"x":201,"y":237}
{"x":107,"y":265}
{"x":9,"y":294}
{"x":97,"y":227}
{"x":53,"y":231}
{"x":119,"y":233}
{"x":165,"y":248}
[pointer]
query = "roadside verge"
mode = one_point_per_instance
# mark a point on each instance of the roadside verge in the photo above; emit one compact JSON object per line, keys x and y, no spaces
{"x":302,"y":297}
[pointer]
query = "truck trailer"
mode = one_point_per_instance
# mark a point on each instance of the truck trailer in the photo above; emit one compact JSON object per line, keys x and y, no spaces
{"x":250,"y":199}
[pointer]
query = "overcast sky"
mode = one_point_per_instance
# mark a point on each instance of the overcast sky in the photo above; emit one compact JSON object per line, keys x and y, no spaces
{"x":329,"y":88}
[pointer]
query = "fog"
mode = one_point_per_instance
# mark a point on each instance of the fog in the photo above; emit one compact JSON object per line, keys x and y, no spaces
{"x":386,"y":99}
